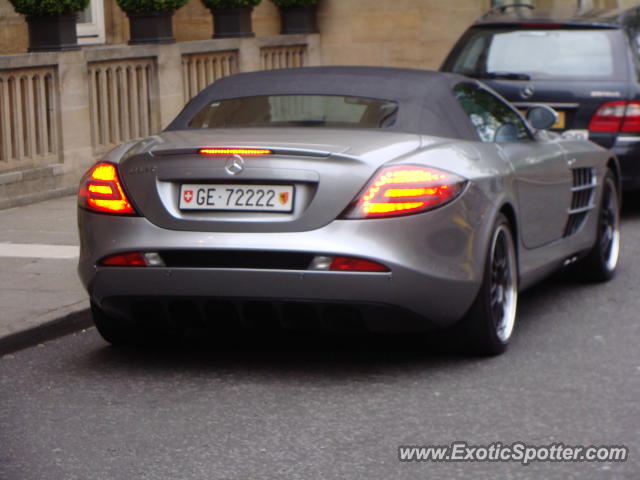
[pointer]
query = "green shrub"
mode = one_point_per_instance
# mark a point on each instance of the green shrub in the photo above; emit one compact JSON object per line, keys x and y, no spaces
{"x":294,"y":3}
{"x":229,"y":3}
{"x":41,"y":8}
{"x":138,"y":6}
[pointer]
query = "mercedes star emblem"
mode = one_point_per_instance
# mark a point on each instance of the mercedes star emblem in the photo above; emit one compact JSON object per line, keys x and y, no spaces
{"x":527,"y":92}
{"x":234,"y":165}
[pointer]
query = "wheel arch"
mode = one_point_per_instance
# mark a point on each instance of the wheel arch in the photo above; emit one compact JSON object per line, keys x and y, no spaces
{"x":508,"y":211}
{"x":614,"y":166}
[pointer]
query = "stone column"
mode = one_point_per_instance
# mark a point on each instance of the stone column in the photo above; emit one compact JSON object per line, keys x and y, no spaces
{"x":170,"y":88}
{"x":249,"y":55}
{"x":75,"y":118}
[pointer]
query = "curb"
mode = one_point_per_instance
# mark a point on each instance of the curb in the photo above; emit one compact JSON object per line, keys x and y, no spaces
{"x":57,"y":327}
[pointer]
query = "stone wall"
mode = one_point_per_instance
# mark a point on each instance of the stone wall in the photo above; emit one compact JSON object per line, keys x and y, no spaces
{"x":406,"y":33}
{"x":13,"y":30}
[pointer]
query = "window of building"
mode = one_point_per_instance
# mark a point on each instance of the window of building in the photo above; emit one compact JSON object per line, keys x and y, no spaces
{"x":91,"y":24}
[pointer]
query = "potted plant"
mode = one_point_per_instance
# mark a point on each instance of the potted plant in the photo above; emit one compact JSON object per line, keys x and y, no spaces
{"x":298,"y":16}
{"x":231,"y":18}
{"x":52,"y":23}
{"x":150,"y":21}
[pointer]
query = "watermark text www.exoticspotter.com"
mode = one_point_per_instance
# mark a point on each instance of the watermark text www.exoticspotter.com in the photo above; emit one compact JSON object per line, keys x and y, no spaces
{"x":515,"y":452}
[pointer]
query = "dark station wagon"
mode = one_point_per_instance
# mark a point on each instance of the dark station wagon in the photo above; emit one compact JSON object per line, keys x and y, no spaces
{"x":585,"y":64}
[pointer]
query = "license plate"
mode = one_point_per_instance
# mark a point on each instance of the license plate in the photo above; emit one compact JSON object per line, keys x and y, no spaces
{"x":560,"y":124}
{"x":255,"y":198}
{"x":575,"y":134}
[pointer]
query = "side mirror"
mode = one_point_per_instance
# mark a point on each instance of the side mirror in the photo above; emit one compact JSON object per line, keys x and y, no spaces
{"x":542,"y":117}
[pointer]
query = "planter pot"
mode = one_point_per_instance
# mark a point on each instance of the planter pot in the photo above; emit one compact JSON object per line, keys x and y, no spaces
{"x":299,"y":19}
{"x":232,"y":22}
{"x":55,"y":32}
{"x":151,"y":27}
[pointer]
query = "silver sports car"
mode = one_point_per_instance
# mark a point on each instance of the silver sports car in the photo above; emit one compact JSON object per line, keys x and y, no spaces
{"x":342,"y":198}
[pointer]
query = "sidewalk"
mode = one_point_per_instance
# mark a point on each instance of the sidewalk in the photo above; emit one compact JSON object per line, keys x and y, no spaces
{"x":40,"y":294}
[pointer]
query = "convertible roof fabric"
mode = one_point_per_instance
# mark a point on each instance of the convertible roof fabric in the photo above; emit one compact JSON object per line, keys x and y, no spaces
{"x":425,"y":98}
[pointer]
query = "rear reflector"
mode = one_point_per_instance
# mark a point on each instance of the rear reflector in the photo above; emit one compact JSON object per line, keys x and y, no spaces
{"x":234,"y":151}
{"x":101,"y":191}
{"x":346,"y":264}
{"x":406,"y":189}
{"x":133,"y":259}
{"x":618,"y":116}
{"x":356,"y":265}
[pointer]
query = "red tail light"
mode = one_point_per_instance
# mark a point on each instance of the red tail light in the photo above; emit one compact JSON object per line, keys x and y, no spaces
{"x":618,"y":116}
{"x":631,"y":121}
{"x":345,"y":264}
{"x":234,"y":151}
{"x":350,"y":264}
{"x":101,"y":191}
{"x":403,"y":190}
{"x":133,"y":259}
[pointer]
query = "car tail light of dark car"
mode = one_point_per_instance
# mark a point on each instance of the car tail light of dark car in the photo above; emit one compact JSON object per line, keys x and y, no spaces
{"x":618,"y":116}
{"x":101,"y":191}
{"x":404,"y":190}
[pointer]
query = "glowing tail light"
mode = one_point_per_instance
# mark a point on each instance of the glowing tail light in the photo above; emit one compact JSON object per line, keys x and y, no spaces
{"x":618,"y":116}
{"x":101,"y":191}
{"x":234,"y":151}
{"x":403,"y":190}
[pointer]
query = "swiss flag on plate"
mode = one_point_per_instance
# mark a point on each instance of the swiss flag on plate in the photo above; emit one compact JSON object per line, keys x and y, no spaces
{"x":187,"y":195}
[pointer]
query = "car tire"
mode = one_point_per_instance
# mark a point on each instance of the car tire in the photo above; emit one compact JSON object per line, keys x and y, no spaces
{"x":601,"y":262}
{"x":123,"y":333}
{"x":490,"y":320}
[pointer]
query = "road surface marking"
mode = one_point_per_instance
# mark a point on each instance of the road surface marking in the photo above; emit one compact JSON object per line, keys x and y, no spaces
{"x":31,"y":250}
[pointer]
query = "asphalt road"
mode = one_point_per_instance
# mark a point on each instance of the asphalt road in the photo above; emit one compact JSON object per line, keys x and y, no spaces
{"x":335,"y":408}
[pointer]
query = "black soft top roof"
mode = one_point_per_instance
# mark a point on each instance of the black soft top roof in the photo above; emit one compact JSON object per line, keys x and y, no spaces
{"x":425,"y":98}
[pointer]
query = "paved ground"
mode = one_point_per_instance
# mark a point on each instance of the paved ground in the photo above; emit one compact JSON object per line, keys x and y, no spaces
{"x":303,"y":408}
{"x":38,"y":257}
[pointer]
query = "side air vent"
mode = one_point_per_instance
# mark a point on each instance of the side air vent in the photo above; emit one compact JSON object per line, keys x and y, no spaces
{"x":584,"y":184}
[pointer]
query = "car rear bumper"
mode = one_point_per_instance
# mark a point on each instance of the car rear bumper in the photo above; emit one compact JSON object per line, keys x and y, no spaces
{"x":434,"y":273}
{"x":628,"y":153}
{"x":229,"y":314}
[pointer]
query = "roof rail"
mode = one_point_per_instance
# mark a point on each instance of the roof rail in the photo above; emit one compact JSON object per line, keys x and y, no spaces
{"x":499,"y":9}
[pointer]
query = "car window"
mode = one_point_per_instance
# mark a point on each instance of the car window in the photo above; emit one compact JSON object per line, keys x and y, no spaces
{"x":541,"y":54}
{"x":470,"y":57}
{"x":297,"y":110}
{"x":494,"y":120}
